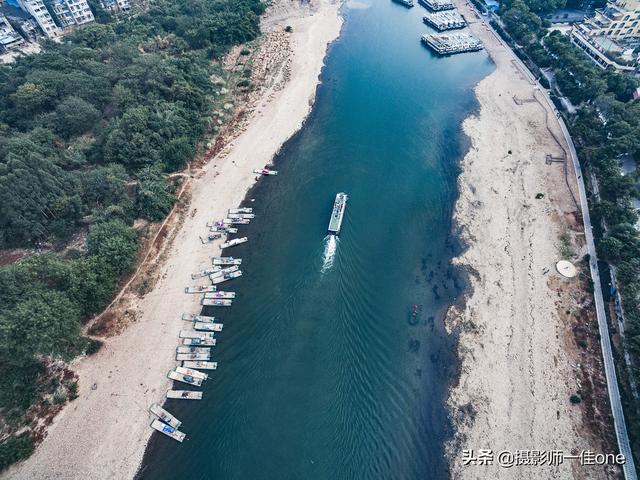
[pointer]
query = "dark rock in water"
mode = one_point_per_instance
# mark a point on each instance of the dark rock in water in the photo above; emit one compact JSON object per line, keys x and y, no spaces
{"x":414,"y":345}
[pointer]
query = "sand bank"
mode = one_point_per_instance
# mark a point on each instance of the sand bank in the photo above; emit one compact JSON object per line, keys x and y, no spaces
{"x":103,"y":434}
{"x":519,"y":361}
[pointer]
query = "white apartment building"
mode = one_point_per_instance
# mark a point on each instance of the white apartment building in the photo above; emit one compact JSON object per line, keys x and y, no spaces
{"x":72,"y":12}
{"x":9,"y":38}
{"x":619,"y":20}
{"x":41,"y":15}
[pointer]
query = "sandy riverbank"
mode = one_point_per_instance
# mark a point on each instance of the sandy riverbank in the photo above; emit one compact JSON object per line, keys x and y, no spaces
{"x":519,"y":361}
{"x":103,"y":434}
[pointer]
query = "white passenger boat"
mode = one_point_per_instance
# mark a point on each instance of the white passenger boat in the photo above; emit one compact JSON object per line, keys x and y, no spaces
{"x":220,"y":294}
{"x":204,"y":342}
{"x":226,"y":261}
{"x":191,"y":372}
{"x":168,"y":430}
{"x":237,"y":216}
{"x":241,"y":210}
{"x":165,"y":416}
{"x":227,"y":276}
{"x":192,"y":357}
{"x":208,"y":327}
{"x":194,"y":334}
{"x":337,"y":214}
{"x":234,"y":242}
{"x":200,"y":365}
{"x":215,"y":302}
{"x":265,"y":171}
{"x":184,"y":394}
{"x":194,"y":349}
{"x":188,"y":379}
{"x":201,"y":289}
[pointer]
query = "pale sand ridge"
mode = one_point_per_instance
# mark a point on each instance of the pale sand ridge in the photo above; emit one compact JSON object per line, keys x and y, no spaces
{"x":517,"y":353}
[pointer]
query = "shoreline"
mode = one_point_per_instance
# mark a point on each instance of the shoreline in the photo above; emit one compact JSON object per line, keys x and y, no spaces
{"x":117,"y":385}
{"x":518,"y":360}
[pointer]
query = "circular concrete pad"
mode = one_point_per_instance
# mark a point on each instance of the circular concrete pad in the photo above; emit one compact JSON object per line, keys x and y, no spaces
{"x":566,"y":269}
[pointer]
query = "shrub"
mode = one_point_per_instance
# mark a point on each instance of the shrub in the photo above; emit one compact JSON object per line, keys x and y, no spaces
{"x":15,"y":448}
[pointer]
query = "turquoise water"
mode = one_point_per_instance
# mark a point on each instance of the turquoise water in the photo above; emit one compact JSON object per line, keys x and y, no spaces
{"x":324,"y":373}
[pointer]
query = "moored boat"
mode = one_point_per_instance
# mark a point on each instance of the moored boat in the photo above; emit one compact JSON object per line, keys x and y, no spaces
{"x":201,"y":365}
{"x":168,"y":430}
{"x":226,"y":276}
{"x":165,"y":416}
{"x":204,"y":342}
{"x":184,"y":394}
{"x":191,"y":372}
{"x":208,"y":327}
{"x":193,"y":357}
{"x":188,"y":379}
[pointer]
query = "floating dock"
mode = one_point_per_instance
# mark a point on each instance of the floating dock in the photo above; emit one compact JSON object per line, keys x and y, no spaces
{"x":201,"y":289}
{"x":265,"y":171}
{"x":184,"y":394}
{"x":198,"y":318}
{"x":215,"y":302}
{"x":168,"y":430}
{"x":208,"y":327}
{"x":220,"y":294}
{"x":204,"y":273}
{"x":226,"y":276}
{"x":194,"y":334}
{"x":186,"y":357}
{"x":450,"y":43}
{"x":201,"y":365}
{"x":198,"y":342}
{"x":226,"y":261}
{"x":241,"y":210}
{"x":236,"y":216}
{"x":437,"y":5}
{"x":447,"y":20}
{"x":192,"y":373}
{"x":165,"y":416}
{"x":188,"y":379}
{"x":337,"y":214}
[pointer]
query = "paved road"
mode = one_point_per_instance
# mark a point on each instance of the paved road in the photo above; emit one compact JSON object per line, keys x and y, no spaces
{"x":605,"y":341}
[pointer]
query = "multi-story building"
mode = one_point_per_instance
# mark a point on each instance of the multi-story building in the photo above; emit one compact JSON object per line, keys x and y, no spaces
{"x":72,"y":12}
{"x":116,"y":6}
{"x":619,"y":21}
{"x":598,"y":48}
{"x":9,"y":38}
{"x":41,"y":15}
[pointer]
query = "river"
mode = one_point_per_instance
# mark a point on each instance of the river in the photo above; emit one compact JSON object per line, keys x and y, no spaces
{"x":324,"y":370}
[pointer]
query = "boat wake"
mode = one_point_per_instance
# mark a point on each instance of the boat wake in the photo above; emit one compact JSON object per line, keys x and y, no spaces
{"x":330,"y":247}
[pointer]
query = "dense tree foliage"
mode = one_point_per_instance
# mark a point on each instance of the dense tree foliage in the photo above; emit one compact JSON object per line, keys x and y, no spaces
{"x":89,"y":130}
{"x":136,"y":94}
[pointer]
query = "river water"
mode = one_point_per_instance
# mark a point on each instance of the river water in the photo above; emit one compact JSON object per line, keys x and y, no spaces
{"x":324,"y":370}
